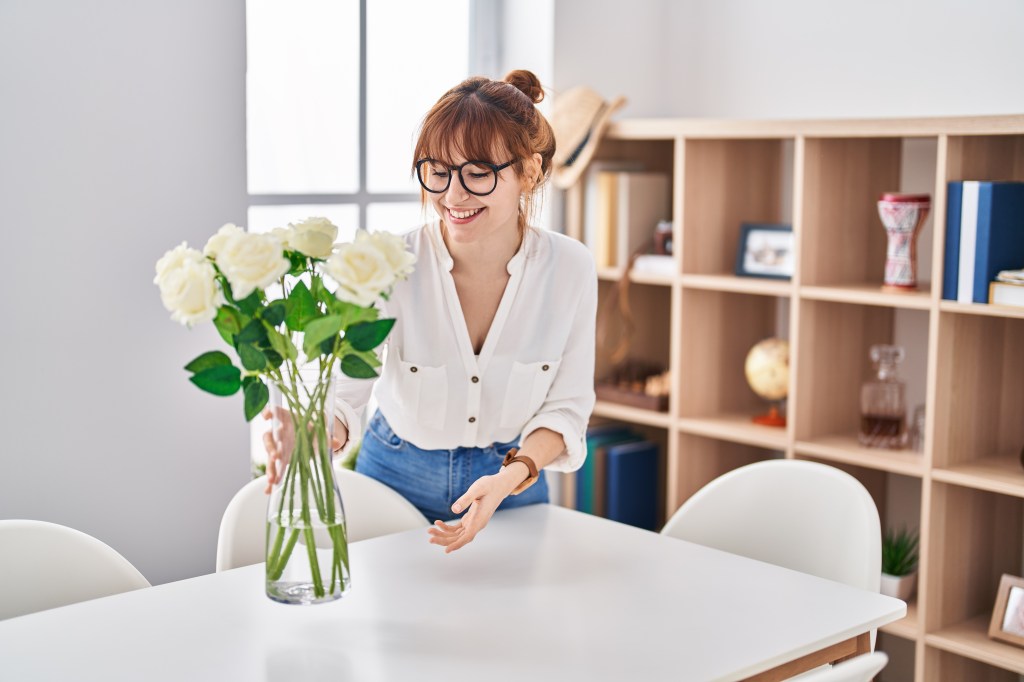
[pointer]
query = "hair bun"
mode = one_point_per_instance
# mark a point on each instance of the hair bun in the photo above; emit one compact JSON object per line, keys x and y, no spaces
{"x":526,"y":82}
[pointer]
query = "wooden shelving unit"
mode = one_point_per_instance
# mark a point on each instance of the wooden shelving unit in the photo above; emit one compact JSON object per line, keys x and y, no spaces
{"x":824,"y":177}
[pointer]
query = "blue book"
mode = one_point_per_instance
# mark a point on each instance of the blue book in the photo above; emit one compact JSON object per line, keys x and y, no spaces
{"x":633,"y":484}
{"x":951,"y":260}
{"x":592,"y":471}
{"x":991,"y":237}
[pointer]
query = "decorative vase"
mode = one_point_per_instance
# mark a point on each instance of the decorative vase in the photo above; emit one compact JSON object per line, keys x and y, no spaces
{"x":903,"y":216}
{"x":307,"y":538}
{"x":898,"y":586}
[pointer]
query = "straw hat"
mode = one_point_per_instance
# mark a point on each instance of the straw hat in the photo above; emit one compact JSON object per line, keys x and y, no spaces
{"x":578,"y":120}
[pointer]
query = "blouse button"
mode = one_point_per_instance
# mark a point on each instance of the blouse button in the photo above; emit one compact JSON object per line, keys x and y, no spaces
{"x":476,"y":380}
{"x":413,"y":369}
{"x":546,"y":367}
{"x":472,"y":419}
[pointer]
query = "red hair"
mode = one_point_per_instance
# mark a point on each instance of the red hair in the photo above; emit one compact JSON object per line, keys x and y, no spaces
{"x":480,"y":117}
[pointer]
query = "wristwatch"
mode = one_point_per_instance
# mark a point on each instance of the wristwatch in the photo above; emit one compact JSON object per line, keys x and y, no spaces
{"x":513,"y":456}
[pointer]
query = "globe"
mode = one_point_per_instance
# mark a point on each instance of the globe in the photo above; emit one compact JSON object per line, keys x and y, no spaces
{"x":767,"y":372}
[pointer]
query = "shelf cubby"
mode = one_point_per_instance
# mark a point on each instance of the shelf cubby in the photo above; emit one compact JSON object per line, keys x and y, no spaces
{"x":979,"y":426}
{"x":713,"y":360}
{"x":967,"y":654}
{"x":648,"y":339}
{"x":727,"y":183}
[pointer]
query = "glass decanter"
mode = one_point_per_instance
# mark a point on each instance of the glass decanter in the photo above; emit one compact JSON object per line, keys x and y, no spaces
{"x":883,"y":406}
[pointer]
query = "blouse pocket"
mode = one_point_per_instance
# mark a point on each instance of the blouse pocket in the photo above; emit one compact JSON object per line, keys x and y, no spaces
{"x":424,"y":391}
{"x":527,"y":389}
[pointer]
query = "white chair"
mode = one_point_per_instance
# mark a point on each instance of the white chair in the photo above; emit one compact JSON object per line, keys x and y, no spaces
{"x":860,"y":669}
{"x":371,"y":509}
{"x":46,"y":565}
{"x":802,"y":515}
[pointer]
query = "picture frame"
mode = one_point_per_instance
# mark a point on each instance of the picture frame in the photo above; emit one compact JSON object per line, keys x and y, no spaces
{"x":765,"y":250}
{"x":1007,"y":624}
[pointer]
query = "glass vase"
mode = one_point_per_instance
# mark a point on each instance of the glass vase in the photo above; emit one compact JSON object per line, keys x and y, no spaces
{"x":307,"y":538}
{"x":883,"y":403}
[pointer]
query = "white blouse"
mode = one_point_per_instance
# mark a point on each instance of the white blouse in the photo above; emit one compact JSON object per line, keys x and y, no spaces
{"x":536,"y":367}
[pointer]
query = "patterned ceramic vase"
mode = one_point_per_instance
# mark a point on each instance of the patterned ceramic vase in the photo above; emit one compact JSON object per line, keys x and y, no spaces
{"x":903,"y":216}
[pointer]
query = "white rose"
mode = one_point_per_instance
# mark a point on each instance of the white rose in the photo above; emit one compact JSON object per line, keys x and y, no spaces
{"x":394,"y":250}
{"x":251,"y":261}
{"x":283,"y":235}
{"x":216,"y":242}
{"x":188,"y":285}
{"x":361,"y":271}
{"x":314,"y":237}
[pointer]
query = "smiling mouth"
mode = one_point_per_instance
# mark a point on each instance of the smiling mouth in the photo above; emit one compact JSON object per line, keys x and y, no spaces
{"x":462,"y":215}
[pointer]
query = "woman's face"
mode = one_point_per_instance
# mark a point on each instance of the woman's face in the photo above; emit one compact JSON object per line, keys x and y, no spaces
{"x":472,"y":218}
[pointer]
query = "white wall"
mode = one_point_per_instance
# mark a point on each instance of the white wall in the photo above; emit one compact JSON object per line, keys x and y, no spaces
{"x":121,"y":135}
{"x":795,"y":58}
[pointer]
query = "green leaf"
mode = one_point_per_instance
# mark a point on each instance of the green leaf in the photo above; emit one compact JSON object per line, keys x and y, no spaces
{"x":318,"y":331}
{"x":298,"y":262}
{"x":228,"y":322}
{"x":220,"y":380}
{"x":274,"y":358}
{"x":300,"y":307}
{"x":355,"y":367}
{"x":256,"y":397}
{"x":274,"y":313}
{"x":369,"y":357}
{"x":252,"y":359}
{"x":254,"y":333}
{"x":251,"y":303}
{"x":369,"y":335}
{"x":281,"y":344}
{"x":214,"y":358}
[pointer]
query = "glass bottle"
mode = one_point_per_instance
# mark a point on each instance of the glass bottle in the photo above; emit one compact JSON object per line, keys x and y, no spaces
{"x":883,"y":407}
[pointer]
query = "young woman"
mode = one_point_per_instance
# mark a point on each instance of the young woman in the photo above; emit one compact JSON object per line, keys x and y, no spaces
{"x":493,"y":348}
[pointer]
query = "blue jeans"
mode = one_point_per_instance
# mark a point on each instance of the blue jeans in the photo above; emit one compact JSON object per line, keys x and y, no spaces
{"x":433,"y":479}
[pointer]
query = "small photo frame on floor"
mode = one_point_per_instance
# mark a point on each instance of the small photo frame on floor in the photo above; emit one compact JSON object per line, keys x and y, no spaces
{"x":765,"y":250}
{"x":1007,"y":623}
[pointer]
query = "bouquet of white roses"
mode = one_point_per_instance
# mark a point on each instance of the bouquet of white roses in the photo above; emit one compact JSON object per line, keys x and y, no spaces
{"x":293,"y":342}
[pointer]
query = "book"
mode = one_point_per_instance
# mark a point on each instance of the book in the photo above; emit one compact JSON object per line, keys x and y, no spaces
{"x":586,"y":477}
{"x":654,"y":264}
{"x":987,"y":238}
{"x":1006,"y":293}
{"x":592,"y":195}
{"x":633,"y":484}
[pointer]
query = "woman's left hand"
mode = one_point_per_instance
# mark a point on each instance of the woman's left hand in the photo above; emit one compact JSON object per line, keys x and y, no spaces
{"x":482,"y":498}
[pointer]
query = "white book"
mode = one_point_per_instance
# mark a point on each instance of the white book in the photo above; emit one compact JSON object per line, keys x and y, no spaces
{"x":1002,"y":293}
{"x":968,"y":241}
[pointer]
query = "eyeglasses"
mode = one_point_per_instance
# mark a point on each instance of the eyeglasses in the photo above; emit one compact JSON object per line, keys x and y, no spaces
{"x":478,"y":177}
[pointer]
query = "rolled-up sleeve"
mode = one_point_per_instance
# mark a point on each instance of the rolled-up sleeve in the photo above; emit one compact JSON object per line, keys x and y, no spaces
{"x":570,"y":400}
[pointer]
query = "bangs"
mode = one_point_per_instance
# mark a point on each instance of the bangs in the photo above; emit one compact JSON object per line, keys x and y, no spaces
{"x":471,"y":130}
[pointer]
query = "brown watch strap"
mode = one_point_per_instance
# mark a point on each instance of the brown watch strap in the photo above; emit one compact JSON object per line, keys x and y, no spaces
{"x":514,"y":456}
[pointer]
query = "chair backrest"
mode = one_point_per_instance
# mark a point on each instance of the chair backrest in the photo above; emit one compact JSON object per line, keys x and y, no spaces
{"x":860,"y":669}
{"x":802,"y":515}
{"x":46,"y":565}
{"x":371,"y":509}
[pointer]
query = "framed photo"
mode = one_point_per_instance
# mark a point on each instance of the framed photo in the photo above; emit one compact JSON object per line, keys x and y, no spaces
{"x":765,"y":250}
{"x":1007,"y":623}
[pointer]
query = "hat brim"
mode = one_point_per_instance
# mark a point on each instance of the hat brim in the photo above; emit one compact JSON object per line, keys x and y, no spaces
{"x":565,"y":176}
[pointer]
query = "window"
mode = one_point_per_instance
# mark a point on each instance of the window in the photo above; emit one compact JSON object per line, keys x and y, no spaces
{"x":336,"y":90}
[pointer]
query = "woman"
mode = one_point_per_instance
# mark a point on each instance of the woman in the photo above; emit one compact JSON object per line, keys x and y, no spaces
{"x":493,"y":348}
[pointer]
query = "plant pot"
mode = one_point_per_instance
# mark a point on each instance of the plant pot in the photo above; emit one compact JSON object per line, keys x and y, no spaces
{"x":899,"y":586}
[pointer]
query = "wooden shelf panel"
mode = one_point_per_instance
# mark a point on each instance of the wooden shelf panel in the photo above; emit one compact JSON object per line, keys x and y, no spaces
{"x":736,"y":428}
{"x":970,"y":638}
{"x":869,"y":294}
{"x":981,"y":309}
{"x":743,"y":285}
{"x":847,"y":450}
{"x":634,"y":415}
{"x":907,"y":627}
{"x":615,"y":274}
{"x":999,"y":474}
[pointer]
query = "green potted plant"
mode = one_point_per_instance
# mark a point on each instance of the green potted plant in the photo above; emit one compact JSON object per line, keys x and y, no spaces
{"x":899,"y":563}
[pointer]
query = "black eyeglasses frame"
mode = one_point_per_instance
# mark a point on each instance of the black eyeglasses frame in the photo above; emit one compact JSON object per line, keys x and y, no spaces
{"x":496,"y":168}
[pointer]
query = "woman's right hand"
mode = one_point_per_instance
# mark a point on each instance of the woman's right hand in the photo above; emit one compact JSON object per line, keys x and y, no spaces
{"x":279,"y":444}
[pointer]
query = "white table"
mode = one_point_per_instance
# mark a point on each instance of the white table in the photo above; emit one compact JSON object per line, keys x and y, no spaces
{"x":543,"y":593}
